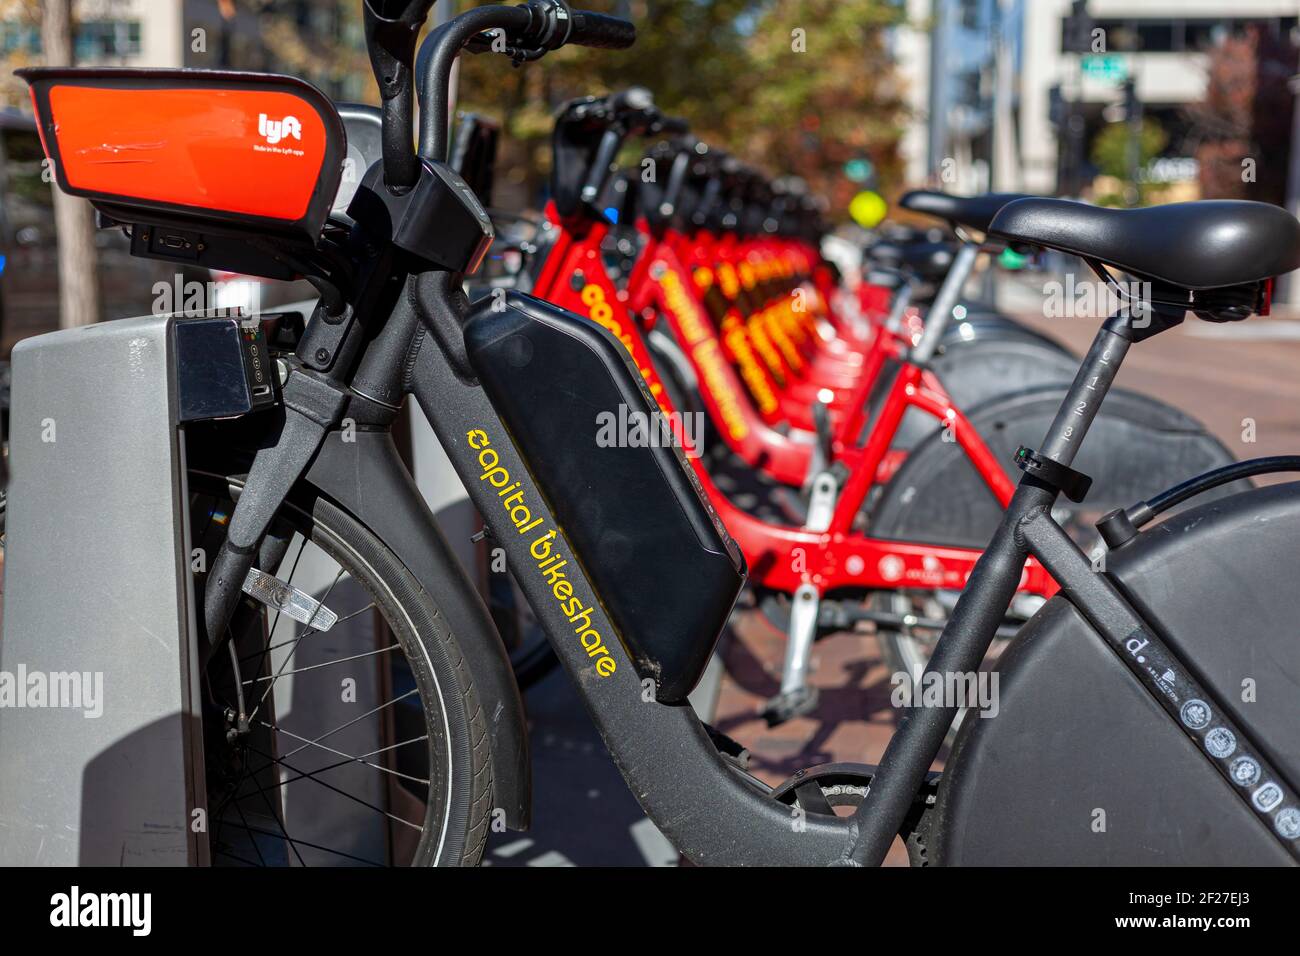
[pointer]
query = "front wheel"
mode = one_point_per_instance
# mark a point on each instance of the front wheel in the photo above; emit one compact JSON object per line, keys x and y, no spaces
{"x":360,"y":744}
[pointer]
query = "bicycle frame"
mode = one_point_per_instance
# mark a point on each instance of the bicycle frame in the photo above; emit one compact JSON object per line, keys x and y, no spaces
{"x":711,"y":811}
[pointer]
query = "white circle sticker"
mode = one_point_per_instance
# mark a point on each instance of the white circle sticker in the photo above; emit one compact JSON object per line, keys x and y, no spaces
{"x":1287,"y":822}
{"x":1245,"y":771}
{"x":1267,"y":797}
{"x":1220,"y":742}
{"x":1195,"y":714}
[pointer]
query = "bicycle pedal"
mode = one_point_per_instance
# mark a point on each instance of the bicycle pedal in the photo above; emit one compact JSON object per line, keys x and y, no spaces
{"x":731,"y":751}
{"x":289,"y":600}
{"x":789,"y":705}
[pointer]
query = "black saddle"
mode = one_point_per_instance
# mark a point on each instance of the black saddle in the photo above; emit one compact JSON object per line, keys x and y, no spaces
{"x":1203,"y":245}
{"x":973,"y":212}
{"x":927,"y":260}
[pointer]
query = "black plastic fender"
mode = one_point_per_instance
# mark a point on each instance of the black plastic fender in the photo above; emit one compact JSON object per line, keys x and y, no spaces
{"x":997,"y":360}
{"x":367,"y":478}
{"x":983,"y":325}
{"x":1076,"y":733}
{"x":1136,"y":448}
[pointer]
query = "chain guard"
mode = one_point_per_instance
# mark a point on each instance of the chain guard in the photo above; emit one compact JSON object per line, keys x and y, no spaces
{"x":830,"y":786}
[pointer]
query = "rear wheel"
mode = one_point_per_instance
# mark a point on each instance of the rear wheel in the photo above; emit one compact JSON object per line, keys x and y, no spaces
{"x":1137,"y":447}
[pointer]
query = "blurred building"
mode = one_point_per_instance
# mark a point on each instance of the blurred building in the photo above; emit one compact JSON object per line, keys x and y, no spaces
{"x":205,"y":33}
{"x":948,"y":58}
{"x":1005,"y":105}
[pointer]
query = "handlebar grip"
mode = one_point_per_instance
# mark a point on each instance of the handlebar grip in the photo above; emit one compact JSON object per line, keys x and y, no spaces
{"x":600,"y":31}
{"x":672,"y":126}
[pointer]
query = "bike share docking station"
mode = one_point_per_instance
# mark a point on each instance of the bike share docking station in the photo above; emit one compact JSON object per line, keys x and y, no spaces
{"x":101,"y":738}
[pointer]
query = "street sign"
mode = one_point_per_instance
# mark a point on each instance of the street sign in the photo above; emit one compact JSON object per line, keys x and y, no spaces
{"x":1106,"y":67}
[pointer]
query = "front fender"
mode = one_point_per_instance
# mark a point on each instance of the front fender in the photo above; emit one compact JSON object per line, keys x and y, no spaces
{"x":367,"y":478}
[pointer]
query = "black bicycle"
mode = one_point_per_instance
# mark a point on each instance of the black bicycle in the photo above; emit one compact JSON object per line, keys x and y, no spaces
{"x":1123,"y":735}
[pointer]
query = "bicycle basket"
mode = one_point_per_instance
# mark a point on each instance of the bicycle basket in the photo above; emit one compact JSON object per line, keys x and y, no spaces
{"x":207,"y":150}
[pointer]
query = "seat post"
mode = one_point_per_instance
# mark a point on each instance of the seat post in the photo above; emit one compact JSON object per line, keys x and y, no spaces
{"x":940,"y":313}
{"x":894,"y":323}
{"x":1091,"y":383}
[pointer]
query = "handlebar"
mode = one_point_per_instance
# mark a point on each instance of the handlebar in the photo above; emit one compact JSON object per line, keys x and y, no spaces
{"x":671,"y":126}
{"x":588,"y":135}
{"x":524,"y":32}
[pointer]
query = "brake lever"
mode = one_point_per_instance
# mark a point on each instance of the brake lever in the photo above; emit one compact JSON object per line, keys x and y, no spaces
{"x":494,"y":41}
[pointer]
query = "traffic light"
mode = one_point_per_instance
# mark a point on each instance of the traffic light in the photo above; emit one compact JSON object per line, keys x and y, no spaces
{"x":1076,"y":29}
{"x":1132,"y":105}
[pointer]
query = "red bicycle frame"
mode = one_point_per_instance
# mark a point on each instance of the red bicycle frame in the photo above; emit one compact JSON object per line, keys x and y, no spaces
{"x":780,"y":558}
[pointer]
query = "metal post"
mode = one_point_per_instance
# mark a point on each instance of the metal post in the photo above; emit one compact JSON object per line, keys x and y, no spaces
{"x":105,"y":769}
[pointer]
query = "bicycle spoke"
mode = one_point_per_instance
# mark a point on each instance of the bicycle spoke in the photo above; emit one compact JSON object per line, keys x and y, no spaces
{"x":313,"y":846}
{"x":347,"y":724}
{"x":239,"y":810}
{"x":346,"y":617}
{"x":312,"y":667}
{"x":315,"y":743}
{"x":311,"y":775}
{"x":277,"y":818}
{"x":302,"y":546}
{"x":349,"y":760}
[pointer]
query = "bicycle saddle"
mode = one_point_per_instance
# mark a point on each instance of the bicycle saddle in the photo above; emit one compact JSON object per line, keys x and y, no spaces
{"x":973,"y":212}
{"x":929,"y":260}
{"x":1207,"y":244}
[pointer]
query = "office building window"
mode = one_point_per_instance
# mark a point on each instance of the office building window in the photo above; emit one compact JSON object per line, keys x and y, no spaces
{"x":1154,"y":36}
{"x":101,"y":39}
{"x":15,"y":37}
{"x":1182,"y":34}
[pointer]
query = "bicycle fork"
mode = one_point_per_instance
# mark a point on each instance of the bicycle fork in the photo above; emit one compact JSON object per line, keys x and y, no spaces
{"x":312,"y":407}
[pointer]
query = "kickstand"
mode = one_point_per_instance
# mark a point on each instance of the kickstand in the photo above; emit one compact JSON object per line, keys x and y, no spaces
{"x":797,"y":697}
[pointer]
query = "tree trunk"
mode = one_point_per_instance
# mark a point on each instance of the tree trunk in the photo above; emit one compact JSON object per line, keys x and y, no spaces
{"x":74,"y":219}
